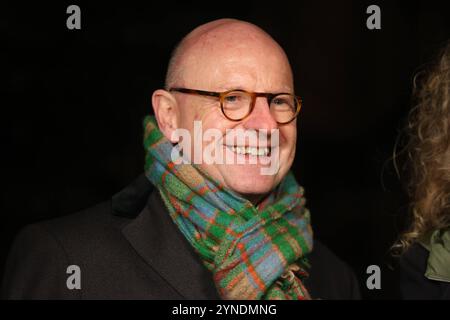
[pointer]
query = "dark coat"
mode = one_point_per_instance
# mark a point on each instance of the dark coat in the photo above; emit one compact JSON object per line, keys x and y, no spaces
{"x":413,"y":284}
{"x":129,"y":248}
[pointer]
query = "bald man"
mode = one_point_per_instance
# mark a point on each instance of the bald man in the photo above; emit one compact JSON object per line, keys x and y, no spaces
{"x":217,"y":213}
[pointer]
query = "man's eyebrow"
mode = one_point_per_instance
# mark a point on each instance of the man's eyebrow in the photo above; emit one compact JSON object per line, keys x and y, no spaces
{"x":228,"y":87}
{"x":235,"y":88}
{"x":223,"y":88}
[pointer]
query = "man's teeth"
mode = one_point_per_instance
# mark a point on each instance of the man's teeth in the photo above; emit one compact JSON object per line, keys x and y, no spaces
{"x":254,"y":151}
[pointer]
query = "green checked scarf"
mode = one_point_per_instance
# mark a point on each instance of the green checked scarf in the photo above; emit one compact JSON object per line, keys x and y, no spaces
{"x":253,"y":253}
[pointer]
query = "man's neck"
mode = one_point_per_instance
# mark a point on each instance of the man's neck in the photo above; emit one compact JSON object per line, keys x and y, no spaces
{"x":255,"y":199}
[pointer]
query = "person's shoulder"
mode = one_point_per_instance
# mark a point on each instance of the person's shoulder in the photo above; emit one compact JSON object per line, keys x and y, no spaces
{"x":330,"y":277}
{"x":77,"y":229}
{"x":91,"y":238}
{"x":416,"y":256}
{"x":413,"y":283}
{"x":96,"y":222}
{"x":96,"y":219}
{"x":41,"y":252}
{"x":97,"y":227}
{"x":82,"y":227}
{"x":93,"y":230}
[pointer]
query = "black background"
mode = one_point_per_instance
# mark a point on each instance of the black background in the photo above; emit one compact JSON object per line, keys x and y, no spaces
{"x":73,"y":101}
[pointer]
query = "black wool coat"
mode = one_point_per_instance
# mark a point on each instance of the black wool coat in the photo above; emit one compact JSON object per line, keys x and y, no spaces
{"x":129,"y":248}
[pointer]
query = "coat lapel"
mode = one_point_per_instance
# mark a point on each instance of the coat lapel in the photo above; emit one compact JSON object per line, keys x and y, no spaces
{"x":160,"y":243}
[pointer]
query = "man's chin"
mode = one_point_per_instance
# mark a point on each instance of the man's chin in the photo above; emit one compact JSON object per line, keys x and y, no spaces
{"x":245,"y":179}
{"x":249,"y":182}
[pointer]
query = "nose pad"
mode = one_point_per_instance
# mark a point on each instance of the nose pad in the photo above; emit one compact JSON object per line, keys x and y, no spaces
{"x":261,"y":117}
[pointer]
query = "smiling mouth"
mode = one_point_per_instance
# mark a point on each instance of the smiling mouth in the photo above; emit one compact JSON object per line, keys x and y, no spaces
{"x":253,"y":151}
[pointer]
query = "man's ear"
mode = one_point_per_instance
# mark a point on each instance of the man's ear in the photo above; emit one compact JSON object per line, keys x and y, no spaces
{"x":166,"y":112}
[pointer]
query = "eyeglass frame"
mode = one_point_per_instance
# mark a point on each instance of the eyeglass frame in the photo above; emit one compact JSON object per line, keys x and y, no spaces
{"x":253,"y":95}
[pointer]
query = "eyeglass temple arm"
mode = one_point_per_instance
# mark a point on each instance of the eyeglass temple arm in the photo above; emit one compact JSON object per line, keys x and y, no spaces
{"x":200,"y":92}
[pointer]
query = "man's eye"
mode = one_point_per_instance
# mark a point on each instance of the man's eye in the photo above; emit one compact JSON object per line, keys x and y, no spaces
{"x":280,"y":101}
{"x":231,"y":98}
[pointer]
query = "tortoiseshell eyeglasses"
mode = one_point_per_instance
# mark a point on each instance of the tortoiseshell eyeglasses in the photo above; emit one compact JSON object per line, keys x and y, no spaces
{"x":237,"y":104}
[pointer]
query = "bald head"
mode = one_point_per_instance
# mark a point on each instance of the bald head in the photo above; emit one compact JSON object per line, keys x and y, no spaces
{"x":216,"y":41}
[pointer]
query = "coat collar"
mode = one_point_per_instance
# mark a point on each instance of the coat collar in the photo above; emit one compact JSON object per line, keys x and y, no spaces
{"x":437,"y":243}
{"x":159,"y":242}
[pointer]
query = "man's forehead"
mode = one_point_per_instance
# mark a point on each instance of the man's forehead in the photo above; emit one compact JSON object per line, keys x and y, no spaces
{"x":225,"y":32}
{"x":224,"y":43}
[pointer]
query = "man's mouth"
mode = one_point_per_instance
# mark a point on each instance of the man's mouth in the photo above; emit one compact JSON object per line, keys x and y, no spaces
{"x":253,"y":151}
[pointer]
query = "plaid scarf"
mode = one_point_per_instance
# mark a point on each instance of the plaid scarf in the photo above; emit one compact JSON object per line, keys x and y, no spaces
{"x":253,"y":253}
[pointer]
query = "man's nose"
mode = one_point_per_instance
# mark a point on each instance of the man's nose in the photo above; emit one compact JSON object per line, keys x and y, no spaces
{"x":261,"y":117}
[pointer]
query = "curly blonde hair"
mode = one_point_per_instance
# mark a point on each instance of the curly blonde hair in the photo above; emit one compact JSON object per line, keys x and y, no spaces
{"x":428,"y":151}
